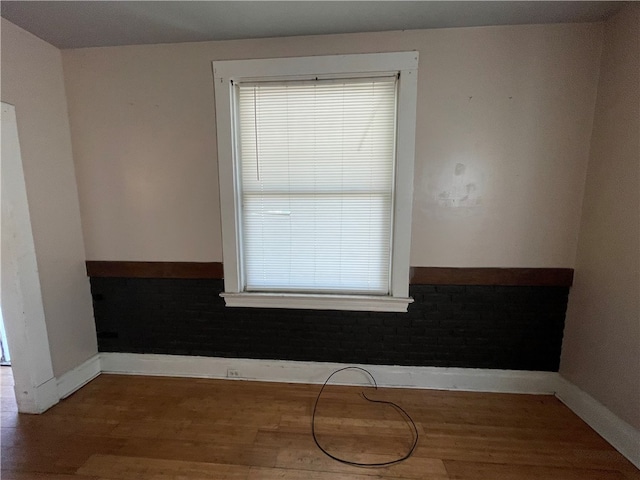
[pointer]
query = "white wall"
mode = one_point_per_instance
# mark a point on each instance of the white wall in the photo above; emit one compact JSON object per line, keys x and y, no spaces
{"x":32,"y":81}
{"x":601,"y":350}
{"x":509,"y":109}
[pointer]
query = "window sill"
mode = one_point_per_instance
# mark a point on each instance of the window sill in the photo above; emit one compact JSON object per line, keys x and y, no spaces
{"x":317,"y":301}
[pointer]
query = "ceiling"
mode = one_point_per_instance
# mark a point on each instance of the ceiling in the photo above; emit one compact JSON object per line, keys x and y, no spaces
{"x":74,"y":24}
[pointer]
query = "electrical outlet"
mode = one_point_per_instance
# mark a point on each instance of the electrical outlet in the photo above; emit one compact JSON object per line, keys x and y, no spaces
{"x":232,"y":373}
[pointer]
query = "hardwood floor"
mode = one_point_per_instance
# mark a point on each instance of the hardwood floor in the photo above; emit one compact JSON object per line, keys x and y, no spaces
{"x":139,"y":428}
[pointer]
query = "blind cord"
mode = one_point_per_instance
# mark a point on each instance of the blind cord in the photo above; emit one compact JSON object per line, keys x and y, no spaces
{"x":399,"y":409}
{"x":255,"y":129}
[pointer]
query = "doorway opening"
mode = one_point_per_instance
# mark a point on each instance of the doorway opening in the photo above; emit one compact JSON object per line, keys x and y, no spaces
{"x":5,"y":355}
{"x":7,"y":395}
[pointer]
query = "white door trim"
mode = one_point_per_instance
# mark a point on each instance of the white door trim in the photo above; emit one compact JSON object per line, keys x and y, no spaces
{"x":22,"y":309}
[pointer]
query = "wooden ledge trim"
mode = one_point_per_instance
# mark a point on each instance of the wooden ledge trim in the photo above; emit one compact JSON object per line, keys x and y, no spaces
{"x":551,"y":277}
{"x":534,"y":277}
{"x":155,"y":269}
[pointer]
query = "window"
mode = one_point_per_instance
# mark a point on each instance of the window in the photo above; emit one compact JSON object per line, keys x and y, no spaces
{"x":316,"y":174}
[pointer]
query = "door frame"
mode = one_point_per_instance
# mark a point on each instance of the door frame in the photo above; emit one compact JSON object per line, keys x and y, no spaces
{"x":22,"y":308}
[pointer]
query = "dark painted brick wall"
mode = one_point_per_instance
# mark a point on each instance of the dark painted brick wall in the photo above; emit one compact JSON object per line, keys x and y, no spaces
{"x":448,"y":326}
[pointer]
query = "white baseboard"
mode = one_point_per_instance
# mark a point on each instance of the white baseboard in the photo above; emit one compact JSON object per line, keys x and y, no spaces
{"x":622,"y":436}
{"x":467,"y":379}
{"x":78,"y":377}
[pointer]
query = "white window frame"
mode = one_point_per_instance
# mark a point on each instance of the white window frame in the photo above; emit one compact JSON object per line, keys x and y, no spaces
{"x":228,"y":72}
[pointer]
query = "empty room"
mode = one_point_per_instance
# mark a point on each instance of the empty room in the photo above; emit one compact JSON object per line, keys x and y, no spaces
{"x":320,"y":240}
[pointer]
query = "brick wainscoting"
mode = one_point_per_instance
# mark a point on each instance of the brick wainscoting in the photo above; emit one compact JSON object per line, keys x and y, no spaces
{"x":475,"y":326}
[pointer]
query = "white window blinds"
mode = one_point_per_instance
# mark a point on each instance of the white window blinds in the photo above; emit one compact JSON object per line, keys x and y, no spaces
{"x":316,"y":176}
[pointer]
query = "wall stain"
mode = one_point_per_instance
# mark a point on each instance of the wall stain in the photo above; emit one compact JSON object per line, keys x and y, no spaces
{"x":461,"y":190}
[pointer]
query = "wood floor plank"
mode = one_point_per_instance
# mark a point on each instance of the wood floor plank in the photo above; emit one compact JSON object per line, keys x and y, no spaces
{"x":315,"y":460}
{"x":357,"y":426}
{"x":239,"y":454}
{"x":8,"y":402}
{"x":135,"y":468}
{"x":604,"y":458}
{"x":12,"y":475}
{"x":257,"y":473}
{"x":55,"y":454}
{"x":460,"y":470}
{"x":462,"y":449}
{"x":582,"y":435}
